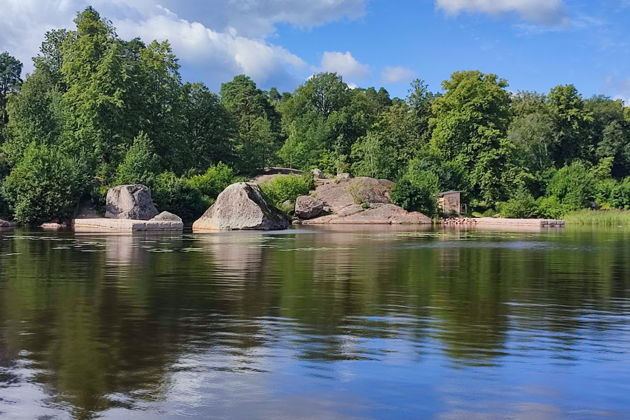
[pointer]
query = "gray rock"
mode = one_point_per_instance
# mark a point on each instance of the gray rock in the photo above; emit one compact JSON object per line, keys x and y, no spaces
{"x":317,"y":173}
{"x":307,"y":207}
{"x":130,"y":202}
{"x":6,"y":224}
{"x":344,"y":175}
{"x":241,"y":206}
{"x":165,"y":216}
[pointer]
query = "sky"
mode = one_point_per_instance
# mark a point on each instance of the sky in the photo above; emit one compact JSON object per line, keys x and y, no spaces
{"x":534,"y":44}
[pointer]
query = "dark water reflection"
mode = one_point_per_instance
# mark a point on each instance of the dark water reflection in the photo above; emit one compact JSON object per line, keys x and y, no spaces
{"x":316,"y":324}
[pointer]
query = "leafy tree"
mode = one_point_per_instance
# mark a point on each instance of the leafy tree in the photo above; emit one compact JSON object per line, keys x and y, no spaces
{"x":287,"y":188}
{"x":571,"y":122}
{"x":470,"y":126}
{"x":140,"y":165}
{"x":208,"y":130}
{"x":174,"y":194}
{"x":10,"y":80}
{"x":214,"y":180}
{"x":532,"y":131}
{"x":312,"y":121}
{"x":616,"y":144}
{"x":45,"y":185}
{"x":573,"y":185}
{"x":417,"y":191}
{"x":389,"y":144}
{"x":256,"y":120}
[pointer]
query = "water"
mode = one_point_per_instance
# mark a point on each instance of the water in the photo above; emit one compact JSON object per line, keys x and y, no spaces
{"x":369,"y":324}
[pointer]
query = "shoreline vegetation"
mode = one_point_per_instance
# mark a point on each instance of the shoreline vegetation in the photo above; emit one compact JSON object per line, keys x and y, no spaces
{"x":612,"y":218}
{"x":99,"y":111}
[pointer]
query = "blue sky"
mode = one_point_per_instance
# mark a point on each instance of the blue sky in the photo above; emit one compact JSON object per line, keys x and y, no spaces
{"x":534,"y":44}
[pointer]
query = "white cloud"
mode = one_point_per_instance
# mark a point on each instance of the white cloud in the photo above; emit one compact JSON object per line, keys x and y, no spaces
{"x":618,"y":88}
{"x":344,"y":64}
{"x":547,"y":12}
{"x":397,"y":74}
{"x":214,"y":39}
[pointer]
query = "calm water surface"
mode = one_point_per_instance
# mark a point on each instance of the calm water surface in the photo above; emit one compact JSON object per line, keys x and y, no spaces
{"x":308,"y":324}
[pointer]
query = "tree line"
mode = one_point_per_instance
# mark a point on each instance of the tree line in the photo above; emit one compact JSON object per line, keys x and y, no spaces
{"x":98,"y":110}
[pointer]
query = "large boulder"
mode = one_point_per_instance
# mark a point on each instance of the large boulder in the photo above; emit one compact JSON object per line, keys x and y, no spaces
{"x":241,"y":206}
{"x":307,"y":207}
{"x":130,"y":202}
{"x":166,"y":216}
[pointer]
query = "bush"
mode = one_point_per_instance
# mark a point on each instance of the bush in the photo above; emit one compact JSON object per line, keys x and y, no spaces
{"x":417,"y":191}
{"x":140,"y":165}
{"x":174,"y":194}
{"x":552,"y":208}
{"x":573,"y":186}
{"x":620,"y":196}
{"x":287,"y":188}
{"x":521,"y":206}
{"x":216,"y":179}
{"x":45,"y":185}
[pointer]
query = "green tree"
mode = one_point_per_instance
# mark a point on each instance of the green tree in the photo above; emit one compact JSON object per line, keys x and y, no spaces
{"x":256,"y":120}
{"x":616,"y":144}
{"x":571,"y":122}
{"x":208,"y":130}
{"x":470,"y":126}
{"x":531,"y":131}
{"x":140,"y":165}
{"x":10,"y":80}
{"x":45,"y":185}
{"x":417,"y":191}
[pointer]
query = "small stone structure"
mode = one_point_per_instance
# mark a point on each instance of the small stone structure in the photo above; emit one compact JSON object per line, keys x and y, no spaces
{"x":450,"y":203}
{"x":241,"y":206}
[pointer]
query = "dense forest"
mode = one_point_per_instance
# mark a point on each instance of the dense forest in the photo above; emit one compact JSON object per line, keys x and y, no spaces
{"x":98,"y":111}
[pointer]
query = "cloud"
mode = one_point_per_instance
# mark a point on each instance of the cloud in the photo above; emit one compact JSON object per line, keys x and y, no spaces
{"x":545,"y":12}
{"x":344,"y":64}
{"x":618,"y":88}
{"x":397,"y":74}
{"x":214,"y":39}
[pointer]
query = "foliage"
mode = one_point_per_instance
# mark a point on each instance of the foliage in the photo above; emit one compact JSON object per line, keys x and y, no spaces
{"x":417,"y":191}
{"x":257,"y":122}
{"x":573,"y":186}
{"x":174,"y":194}
{"x":287,"y":188}
{"x":521,"y":206}
{"x":620,"y":195}
{"x":214,"y":180}
{"x":551,"y":207}
{"x":470,"y":126}
{"x":45,"y":185}
{"x":10,"y":80}
{"x":140,"y":165}
{"x":599,"y":217}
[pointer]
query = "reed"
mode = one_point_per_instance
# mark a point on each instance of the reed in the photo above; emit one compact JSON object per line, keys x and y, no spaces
{"x":599,"y":217}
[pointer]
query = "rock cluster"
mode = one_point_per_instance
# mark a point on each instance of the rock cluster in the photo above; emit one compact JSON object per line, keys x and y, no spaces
{"x":350,"y":200}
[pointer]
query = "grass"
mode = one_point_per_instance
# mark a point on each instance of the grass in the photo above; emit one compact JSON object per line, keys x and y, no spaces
{"x":599,"y":217}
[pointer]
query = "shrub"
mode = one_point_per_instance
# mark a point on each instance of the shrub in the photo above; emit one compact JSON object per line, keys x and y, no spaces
{"x":174,"y":194}
{"x":620,"y":196}
{"x":521,"y":205}
{"x":214,"y":180}
{"x":287,"y":188}
{"x":45,"y":185}
{"x":573,"y":186}
{"x":417,"y":191}
{"x":140,"y":165}
{"x":552,"y":208}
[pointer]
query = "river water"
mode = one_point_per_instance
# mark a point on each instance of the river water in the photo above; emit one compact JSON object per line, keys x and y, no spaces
{"x":316,"y":324}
